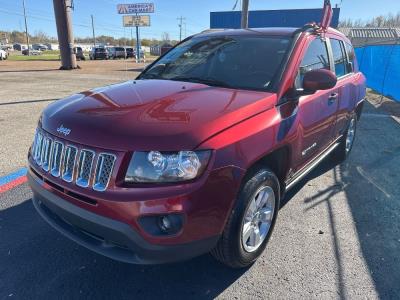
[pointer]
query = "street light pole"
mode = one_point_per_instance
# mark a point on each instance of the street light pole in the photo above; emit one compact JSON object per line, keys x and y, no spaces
{"x":245,"y":14}
{"x":26,"y":27}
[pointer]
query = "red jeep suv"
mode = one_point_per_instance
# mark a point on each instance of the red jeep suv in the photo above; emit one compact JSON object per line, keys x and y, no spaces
{"x":195,"y":154}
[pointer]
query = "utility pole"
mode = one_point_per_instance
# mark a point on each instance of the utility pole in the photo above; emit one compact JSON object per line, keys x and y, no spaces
{"x":137,"y":43}
{"x":180,"y":27}
{"x":94,"y":35}
{"x":26,"y":28}
{"x":245,"y":14}
{"x":62,"y":12}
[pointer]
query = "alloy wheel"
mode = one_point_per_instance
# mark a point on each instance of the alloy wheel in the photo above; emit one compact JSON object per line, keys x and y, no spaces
{"x":258,"y":219}
{"x":350,"y":135}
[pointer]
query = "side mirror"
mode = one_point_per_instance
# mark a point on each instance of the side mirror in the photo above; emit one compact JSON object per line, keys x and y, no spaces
{"x":320,"y":79}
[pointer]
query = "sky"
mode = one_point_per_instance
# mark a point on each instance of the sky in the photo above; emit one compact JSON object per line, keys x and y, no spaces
{"x":196,"y":13}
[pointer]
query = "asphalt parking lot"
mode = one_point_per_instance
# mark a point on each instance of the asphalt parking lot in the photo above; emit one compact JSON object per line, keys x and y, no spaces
{"x":337,"y":234}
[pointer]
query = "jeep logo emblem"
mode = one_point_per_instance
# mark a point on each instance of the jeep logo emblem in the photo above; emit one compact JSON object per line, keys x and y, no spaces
{"x":63,"y":130}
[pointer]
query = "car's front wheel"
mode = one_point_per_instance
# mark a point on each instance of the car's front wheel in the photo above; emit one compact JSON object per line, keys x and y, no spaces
{"x":252,"y":220}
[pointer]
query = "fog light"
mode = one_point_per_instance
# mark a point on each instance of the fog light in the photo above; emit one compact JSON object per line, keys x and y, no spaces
{"x":162,"y":225}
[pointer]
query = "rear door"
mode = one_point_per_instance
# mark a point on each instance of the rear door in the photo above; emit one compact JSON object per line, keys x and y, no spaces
{"x":317,"y":112}
{"x":343,"y":65}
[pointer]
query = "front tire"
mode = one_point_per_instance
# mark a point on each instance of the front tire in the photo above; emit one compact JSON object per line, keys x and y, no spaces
{"x":252,"y":220}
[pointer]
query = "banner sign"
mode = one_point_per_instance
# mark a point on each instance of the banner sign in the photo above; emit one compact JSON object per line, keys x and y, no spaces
{"x":133,"y":21}
{"x":136,"y":8}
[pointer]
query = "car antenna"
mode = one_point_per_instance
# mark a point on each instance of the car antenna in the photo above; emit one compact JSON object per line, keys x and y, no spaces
{"x":327,"y":14}
{"x":322,"y":27}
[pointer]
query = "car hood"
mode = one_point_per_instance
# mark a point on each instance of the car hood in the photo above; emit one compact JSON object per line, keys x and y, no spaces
{"x":152,"y":114}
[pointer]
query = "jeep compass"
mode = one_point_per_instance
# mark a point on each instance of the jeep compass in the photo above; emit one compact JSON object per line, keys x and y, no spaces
{"x":194,"y":155}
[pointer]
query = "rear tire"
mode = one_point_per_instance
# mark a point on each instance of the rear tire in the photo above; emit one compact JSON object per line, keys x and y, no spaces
{"x":244,"y":239}
{"x":346,"y":144}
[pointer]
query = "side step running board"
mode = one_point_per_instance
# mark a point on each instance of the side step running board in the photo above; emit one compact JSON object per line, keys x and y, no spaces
{"x":308,"y":168}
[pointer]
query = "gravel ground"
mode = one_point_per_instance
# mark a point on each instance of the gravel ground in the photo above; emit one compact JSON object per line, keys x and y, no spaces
{"x":337,"y":234}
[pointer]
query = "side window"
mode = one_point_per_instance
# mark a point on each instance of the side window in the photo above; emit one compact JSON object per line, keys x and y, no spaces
{"x":316,"y":57}
{"x":339,"y":58}
{"x":351,"y":56}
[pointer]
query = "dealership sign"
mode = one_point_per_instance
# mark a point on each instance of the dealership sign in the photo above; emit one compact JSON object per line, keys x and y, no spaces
{"x":136,"y":8}
{"x":133,"y":21}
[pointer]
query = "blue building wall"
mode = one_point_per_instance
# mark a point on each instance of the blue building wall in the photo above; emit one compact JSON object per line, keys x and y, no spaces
{"x":271,"y":18}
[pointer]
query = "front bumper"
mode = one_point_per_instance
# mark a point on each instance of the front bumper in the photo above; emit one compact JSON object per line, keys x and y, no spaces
{"x":106,"y":236}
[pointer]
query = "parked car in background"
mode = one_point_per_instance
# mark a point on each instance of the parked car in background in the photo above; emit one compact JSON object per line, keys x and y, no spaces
{"x":99,"y":53}
{"x":79,"y":53}
{"x":31,"y":52}
{"x":19,"y":47}
{"x":3,"y":54}
{"x":39,"y":47}
{"x":130,"y":53}
{"x":117,"y":52}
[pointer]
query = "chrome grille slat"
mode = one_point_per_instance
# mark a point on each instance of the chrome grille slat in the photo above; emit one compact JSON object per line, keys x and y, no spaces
{"x":66,"y":161}
{"x":104,"y":167}
{"x":85,"y":164}
{"x":33,"y":148}
{"x":46,"y":153}
{"x":68,"y":164}
{"x":38,"y":149}
{"x":56,"y":158}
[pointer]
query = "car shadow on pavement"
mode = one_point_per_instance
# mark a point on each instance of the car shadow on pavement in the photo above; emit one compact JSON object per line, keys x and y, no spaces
{"x":30,"y":70}
{"x":26,"y":101}
{"x":36,"y":262}
{"x":369,"y":181}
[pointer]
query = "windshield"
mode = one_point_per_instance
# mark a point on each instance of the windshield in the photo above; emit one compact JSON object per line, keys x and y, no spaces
{"x":243,"y":62}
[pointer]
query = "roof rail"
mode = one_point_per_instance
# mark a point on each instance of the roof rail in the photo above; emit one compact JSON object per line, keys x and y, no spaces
{"x":214,"y":30}
{"x":309,"y":27}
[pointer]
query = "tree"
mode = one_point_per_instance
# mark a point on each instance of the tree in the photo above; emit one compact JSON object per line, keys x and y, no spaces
{"x":389,"y":20}
{"x":40,"y":37}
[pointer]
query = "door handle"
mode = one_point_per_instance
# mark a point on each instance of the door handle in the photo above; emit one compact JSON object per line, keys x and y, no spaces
{"x":332,"y":98}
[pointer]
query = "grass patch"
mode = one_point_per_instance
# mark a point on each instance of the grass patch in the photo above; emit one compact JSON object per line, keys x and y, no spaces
{"x":43,"y":57}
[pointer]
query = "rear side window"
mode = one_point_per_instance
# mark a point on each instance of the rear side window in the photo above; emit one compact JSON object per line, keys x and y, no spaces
{"x":339,"y":58}
{"x":351,"y":56}
{"x":315,"y":58}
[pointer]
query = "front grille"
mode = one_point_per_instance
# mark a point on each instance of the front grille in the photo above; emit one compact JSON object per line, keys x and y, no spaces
{"x":85,"y":167}
{"x":46,"y":153}
{"x":68,"y":164}
{"x":58,"y":148}
{"x":72,"y":164}
{"x":105,"y":164}
{"x":38,"y":148}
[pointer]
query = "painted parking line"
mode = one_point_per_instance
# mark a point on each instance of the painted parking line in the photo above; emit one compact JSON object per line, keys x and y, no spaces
{"x":12,"y":180}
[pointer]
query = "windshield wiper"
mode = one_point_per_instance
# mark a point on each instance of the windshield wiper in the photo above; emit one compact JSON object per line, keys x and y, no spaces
{"x":149,"y":76}
{"x":208,"y":81}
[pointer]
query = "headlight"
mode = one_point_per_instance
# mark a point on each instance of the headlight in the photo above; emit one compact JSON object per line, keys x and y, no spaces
{"x":155,"y":166}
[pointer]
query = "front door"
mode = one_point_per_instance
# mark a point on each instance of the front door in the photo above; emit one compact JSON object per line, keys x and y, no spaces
{"x":316,"y":112}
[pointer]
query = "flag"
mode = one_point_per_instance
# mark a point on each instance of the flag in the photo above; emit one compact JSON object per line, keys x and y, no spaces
{"x":327,"y":14}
